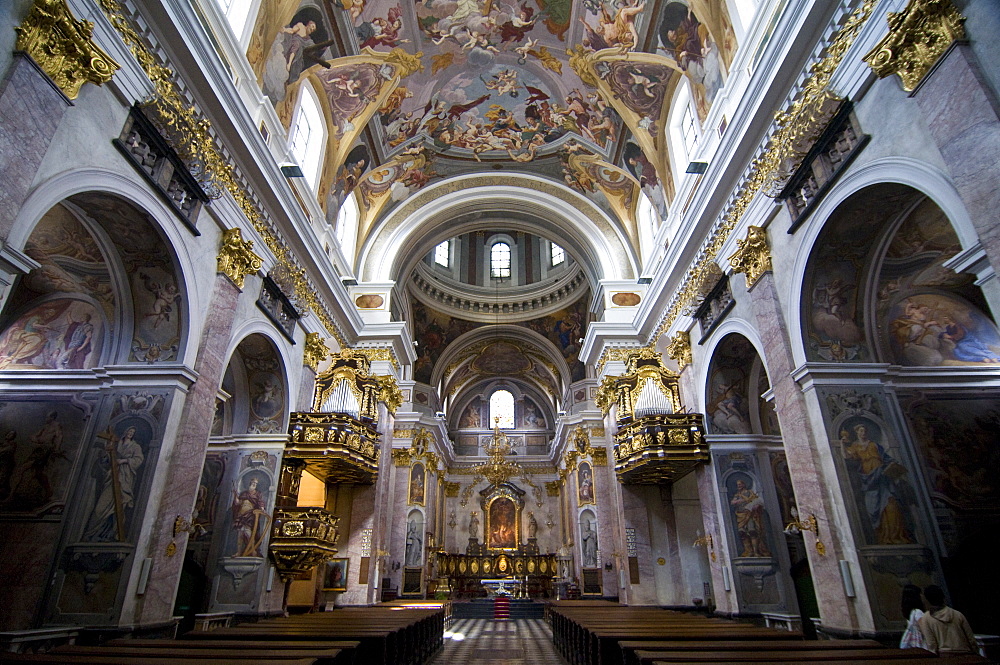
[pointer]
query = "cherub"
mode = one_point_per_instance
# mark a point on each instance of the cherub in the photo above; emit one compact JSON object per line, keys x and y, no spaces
{"x":166,"y":295}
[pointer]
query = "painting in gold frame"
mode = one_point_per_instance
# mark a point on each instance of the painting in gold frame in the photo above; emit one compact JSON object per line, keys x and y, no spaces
{"x":503,"y":523}
{"x":585,"y":484}
{"x":418,"y":484}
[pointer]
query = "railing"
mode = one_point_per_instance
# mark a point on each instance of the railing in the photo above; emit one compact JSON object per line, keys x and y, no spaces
{"x":659,"y":449}
{"x":302,"y":539}
{"x":335,"y":447}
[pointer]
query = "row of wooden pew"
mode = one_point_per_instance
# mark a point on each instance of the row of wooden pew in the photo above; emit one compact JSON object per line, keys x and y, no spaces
{"x":604,"y":633}
{"x":380,"y":635}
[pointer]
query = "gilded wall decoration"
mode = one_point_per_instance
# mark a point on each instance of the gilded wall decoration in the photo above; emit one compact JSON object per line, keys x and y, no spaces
{"x":918,"y":36}
{"x":418,"y":480}
{"x":236,"y":258}
{"x":62,"y":47}
{"x":314,"y":351}
{"x":753,"y":255}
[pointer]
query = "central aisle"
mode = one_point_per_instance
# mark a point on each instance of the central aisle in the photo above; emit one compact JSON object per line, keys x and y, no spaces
{"x":487,"y":642}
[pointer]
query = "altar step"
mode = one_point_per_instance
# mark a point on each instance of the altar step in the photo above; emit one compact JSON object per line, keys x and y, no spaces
{"x":482,"y":608}
{"x":501,"y":608}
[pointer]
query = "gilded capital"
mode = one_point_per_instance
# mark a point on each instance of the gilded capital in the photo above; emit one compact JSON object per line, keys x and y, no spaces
{"x":753,"y":256}
{"x":236,"y":260}
{"x":62,"y":47}
{"x":918,"y":36}
{"x":552,"y":487}
{"x":451,"y":489}
{"x":315,"y":351}
{"x":389,"y":392}
{"x":599,"y":455}
{"x":401,"y":456}
{"x":679,"y":348}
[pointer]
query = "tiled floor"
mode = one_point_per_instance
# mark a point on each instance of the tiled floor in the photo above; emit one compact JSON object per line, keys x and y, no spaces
{"x":487,"y":642}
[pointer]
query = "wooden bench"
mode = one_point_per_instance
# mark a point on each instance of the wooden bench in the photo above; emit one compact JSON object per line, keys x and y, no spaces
{"x":630,"y":648}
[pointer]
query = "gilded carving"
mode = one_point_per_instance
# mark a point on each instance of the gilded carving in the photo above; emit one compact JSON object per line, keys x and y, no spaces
{"x":315,"y":351}
{"x":451,"y":489}
{"x":599,"y":456}
{"x":917,"y":37}
{"x":679,"y":348}
{"x":753,"y":256}
{"x":62,"y":47}
{"x":389,"y":392}
{"x":236,"y":260}
{"x":379,"y":353}
{"x":552,"y":487}
{"x":401,"y":456}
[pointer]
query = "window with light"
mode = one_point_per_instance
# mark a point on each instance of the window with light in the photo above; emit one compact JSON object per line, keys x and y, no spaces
{"x":237,"y":12}
{"x":308,"y":136}
{"x":500,"y":260}
{"x":558,"y":254}
{"x":347,"y":220}
{"x":502,"y":407}
{"x":442,"y":253}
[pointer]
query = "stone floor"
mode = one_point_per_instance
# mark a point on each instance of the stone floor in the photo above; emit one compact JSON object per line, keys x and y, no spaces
{"x":488,"y":642}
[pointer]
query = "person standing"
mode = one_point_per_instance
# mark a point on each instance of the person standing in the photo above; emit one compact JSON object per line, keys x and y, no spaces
{"x":946,"y":630}
{"x":912,"y":606}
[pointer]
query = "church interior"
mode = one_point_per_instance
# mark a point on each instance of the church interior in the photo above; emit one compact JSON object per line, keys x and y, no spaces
{"x":315,"y":305}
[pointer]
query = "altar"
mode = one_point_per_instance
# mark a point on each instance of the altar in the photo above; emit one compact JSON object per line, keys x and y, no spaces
{"x":469,"y":574}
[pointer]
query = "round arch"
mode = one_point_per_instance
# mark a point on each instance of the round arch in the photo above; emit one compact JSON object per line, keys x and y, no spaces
{"x":465,"y":204}
{"x":66,"y":184}
{"x":922,"y":177}
{"x":281,"y":355}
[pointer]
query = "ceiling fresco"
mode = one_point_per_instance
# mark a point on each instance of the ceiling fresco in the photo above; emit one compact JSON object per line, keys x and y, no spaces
{"x":418,"y":91}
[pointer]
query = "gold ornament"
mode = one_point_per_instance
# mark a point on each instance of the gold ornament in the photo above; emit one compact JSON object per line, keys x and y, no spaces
{"x":451,"y":489}
{"x":918,"y":36}
{"x":62,"y":47}
{"x":236,"y":260}
{"x":679,"y":348}
{"x":401,"y":456}
{"x":315,"y":351}
{"x":753,"y":256}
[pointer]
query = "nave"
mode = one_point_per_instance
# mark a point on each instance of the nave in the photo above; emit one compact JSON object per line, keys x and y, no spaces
{"x":488,"y":642}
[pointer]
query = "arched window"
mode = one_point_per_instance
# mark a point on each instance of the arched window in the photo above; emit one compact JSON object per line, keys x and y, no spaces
{"x":237,"y":12}
{"x":500,"y":260}
{"x":684,"y":129}
{"x":558,"y":254}
{"x":502,"y":407}
{"x":347,"y":222}
{"x":442,"y":254}
{"x":308,"y":136}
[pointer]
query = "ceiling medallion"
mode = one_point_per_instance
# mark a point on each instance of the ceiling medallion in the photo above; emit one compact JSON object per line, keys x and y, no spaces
{"x":502,"y":358}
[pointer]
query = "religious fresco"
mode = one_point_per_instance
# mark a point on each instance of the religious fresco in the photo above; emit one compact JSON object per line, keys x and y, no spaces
{"x":589,"y":549}
{"x":40,"y":442}
{"x":57,"y":334}
{"x":532,"y":416}
{"x":472,"y":416}
{"x":727,"y":401}
{"x":833,"y":306}
{"x":564,"y":329}
{"x":433,"y":332}
{"x":291,"y":47}
{"x":783,"y":487}
{"x":645,"y":173}
{"x":749,"y":516}
{"x":265,"y":383}
{"x":955,"y":437}
{"x":928,"y":314}
{"x":206,"y":514}
{"x":690,"y":42}
{"x":157,"y":294}
{"x":111,"y":492}
{"x":765,"y":408}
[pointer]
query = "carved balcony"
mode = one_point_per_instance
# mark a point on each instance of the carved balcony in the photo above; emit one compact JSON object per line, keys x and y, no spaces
{"x":335,"y":447}
{"x":659,"y":449}
{"x":302,"y":539}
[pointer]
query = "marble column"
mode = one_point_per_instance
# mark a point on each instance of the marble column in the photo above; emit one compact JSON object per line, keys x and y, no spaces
{"x":184,"y":467}
{"x":809,"y":464}
{"x":961,"y":113}
{"x":31,"y":107}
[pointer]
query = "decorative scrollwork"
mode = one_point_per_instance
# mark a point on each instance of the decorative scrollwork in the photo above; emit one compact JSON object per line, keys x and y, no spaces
{"x":917,"y":37}
{"x":315,"y":351}
{"x":62,"y":47}
{"x":753,"y":256}
{"x":679,"y":348}
{"x":236,"y":260}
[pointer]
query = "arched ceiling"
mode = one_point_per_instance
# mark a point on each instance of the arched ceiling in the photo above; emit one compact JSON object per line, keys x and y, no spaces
{"x":575,"y":92}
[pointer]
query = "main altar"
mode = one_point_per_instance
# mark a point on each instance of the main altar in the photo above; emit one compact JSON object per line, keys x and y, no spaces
{"x":508,"y":556}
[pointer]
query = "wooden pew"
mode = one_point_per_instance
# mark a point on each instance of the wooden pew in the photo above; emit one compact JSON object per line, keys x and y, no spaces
{"x":631,"y":648}
{"x":956,"y":660}
{"x":91,"y":659}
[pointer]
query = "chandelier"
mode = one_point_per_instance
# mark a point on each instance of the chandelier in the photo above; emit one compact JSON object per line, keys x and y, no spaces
{"x":498,"y":469}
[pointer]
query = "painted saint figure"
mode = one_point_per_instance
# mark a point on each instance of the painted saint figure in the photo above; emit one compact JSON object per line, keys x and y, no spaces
{"x":588,"y":540}
{"x":250,"y":519}
{"x":117,"y":493}
{"x":413,"y":544}
{"x":881,"y":479}
{"x":749,"y":511}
